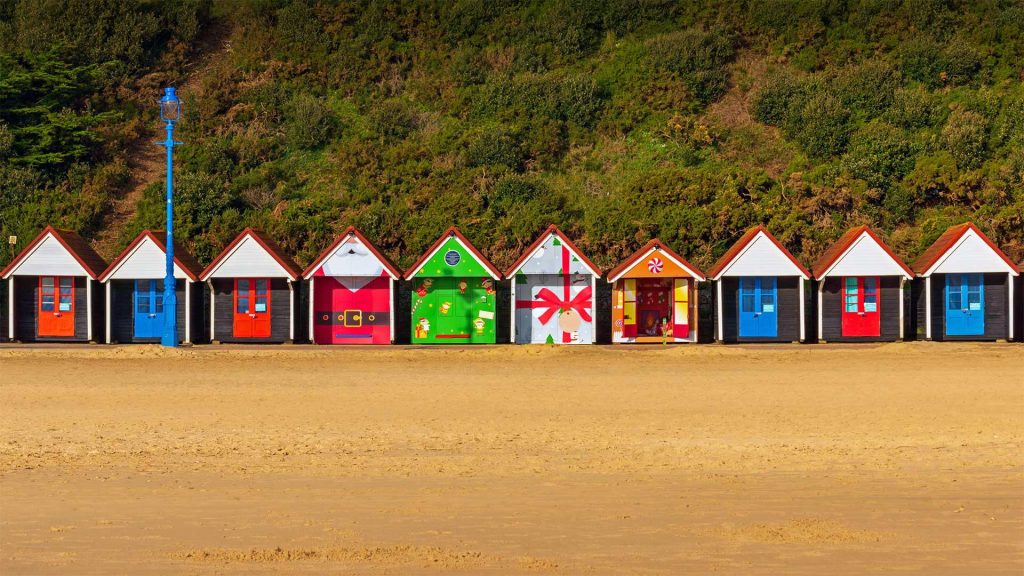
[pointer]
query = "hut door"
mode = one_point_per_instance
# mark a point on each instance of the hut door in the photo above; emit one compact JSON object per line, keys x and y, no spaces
{"x":757,"y":307}
{"x":149,"y":308}
{"x":56,"y":306}
{"x":965,"y":305}
{"x":681,"y":310}
{"x":252,"y":308}
{"x":860,"y":307}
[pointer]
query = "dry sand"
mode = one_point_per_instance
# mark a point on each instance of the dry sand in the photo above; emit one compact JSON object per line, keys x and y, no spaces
{"x":513,"y":460}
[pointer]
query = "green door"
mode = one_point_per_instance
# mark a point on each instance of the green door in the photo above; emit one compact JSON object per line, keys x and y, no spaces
{"x":453,"y":311}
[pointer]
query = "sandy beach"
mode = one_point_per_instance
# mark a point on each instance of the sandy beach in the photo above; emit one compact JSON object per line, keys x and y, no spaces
{"x":881,"y":459}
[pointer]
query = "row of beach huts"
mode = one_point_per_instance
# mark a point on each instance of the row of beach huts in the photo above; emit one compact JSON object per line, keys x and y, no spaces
{"x":962,"y":288}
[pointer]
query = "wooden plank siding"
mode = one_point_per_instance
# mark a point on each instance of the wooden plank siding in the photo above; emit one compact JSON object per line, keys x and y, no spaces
{"x":997,"y":303}
{"x":280,"y":319}
{"x":122,"y":320}
{"x":890,"y":300}
{"x":788,"y":303}
{"x":26,"y":311}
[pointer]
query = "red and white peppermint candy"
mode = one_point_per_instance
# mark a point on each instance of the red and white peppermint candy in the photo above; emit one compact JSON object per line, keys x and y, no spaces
{"x":655,"y":265}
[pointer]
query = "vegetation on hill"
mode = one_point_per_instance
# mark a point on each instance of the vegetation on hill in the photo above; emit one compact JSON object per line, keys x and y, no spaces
{"x":619,"y":120}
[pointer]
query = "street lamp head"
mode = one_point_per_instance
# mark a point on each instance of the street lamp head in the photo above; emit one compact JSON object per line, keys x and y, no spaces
{"x":170,"y":106}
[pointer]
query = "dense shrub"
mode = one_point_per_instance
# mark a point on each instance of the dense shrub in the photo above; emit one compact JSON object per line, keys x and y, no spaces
{"x":620,"y":119}
{"x":699,"y":57}
{"x":309,"y":122}
{"x":779,"y":97}
{"x":497,"y":147}
{"x":965,"y":135}
{"x":867,"y":88}
{"x":879,"y":154}
{"x":822,"y":126}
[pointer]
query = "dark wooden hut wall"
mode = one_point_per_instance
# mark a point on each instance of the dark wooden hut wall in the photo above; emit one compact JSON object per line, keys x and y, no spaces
{"x":997,"y":303}
{"x":26,"y":296}
{"x":280,"y":319}
{"x":832,"y":308}
{"x":788,"y":302}
{"x":122,"y":319}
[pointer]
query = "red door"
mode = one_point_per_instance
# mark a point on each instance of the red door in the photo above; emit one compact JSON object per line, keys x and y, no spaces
{"x":252,"y":308}
{"x":860,"y":306}
{"x":56,"y":306}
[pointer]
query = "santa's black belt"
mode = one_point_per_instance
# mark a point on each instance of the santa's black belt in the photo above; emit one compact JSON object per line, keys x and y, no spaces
{"x":352,"y":318}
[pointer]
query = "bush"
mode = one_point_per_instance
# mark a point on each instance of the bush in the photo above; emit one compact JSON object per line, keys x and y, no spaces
{"x":392,"y":119}
{"x":497,"y":147}
{"x":775,"y":101}
{"x":581,"y":100}
{"x":934,"y":64}
{"x":867,"y":88}
{"x":911,"y":108}
{"x":964,"y":135}
{"x":822,"y":126}
{"x":513,"y":190}
{"x":879,"y":154}
{"x":699,"y":58}
{"x":308,"y":121}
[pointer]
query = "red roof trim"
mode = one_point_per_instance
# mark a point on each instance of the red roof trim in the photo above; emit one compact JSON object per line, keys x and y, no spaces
{"x":452,"y":231}
{"x":740,"y":244}
{"x":657,"y":244}
{"x":839,"y":247}
{"x":92,"y":263}
{"x":552,"y":229}
{"x":290,"y":267}
{"x":189,"y":266}
{"x":352,"y":230}
{"x":948,"y":239}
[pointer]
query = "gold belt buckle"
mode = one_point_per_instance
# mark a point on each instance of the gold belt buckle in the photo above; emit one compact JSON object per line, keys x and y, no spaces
{"x":353,"y":318}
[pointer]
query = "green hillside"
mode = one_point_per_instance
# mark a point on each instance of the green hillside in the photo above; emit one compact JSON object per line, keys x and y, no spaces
{"x":617,"y":120}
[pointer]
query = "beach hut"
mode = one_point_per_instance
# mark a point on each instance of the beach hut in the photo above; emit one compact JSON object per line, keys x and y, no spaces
{"x":253,"y":287}
{"x":760,"y":291}
{"x":553,"y":292}
{"x":352,"y":286}
{"x":134,"y":291}
{"x":860,"y":289}
{"x":654,"y":296}
{"x":454,"y":293}
{"x":52,"y":291}
{"x":968,"y":285}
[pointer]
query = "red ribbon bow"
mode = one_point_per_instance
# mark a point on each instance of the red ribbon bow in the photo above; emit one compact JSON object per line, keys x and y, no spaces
{"x":548,"y":300}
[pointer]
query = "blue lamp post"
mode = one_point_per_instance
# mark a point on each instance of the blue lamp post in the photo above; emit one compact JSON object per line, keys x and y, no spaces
{"x":170,"y":113}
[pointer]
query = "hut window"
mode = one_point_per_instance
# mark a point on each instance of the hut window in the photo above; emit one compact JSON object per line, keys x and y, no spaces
{"x":261,"y":295}
{"x":851,"y":295}
{"x":46,"y":294}
{"x":870,"y":295}
{"x":67,"y":291}
{"x":242,"y":297}
{"x":955,"y":293}
{"x":747,"y":294}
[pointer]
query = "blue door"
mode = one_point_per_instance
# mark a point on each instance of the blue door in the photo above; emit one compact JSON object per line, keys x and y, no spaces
{"x":965,"y":305}
{"x":758,"y":311}
{"x":149,"y":308}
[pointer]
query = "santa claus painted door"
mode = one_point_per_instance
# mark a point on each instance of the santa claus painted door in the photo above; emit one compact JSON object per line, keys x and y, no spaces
{"x":861,"y":316}
{"x":252,"y":308}
{"x":352,"y":310}
{"x":56,"y":306}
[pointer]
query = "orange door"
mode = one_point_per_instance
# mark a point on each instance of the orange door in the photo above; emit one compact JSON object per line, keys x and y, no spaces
{"x":252,"y":308}
{"x":56,"y":306}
